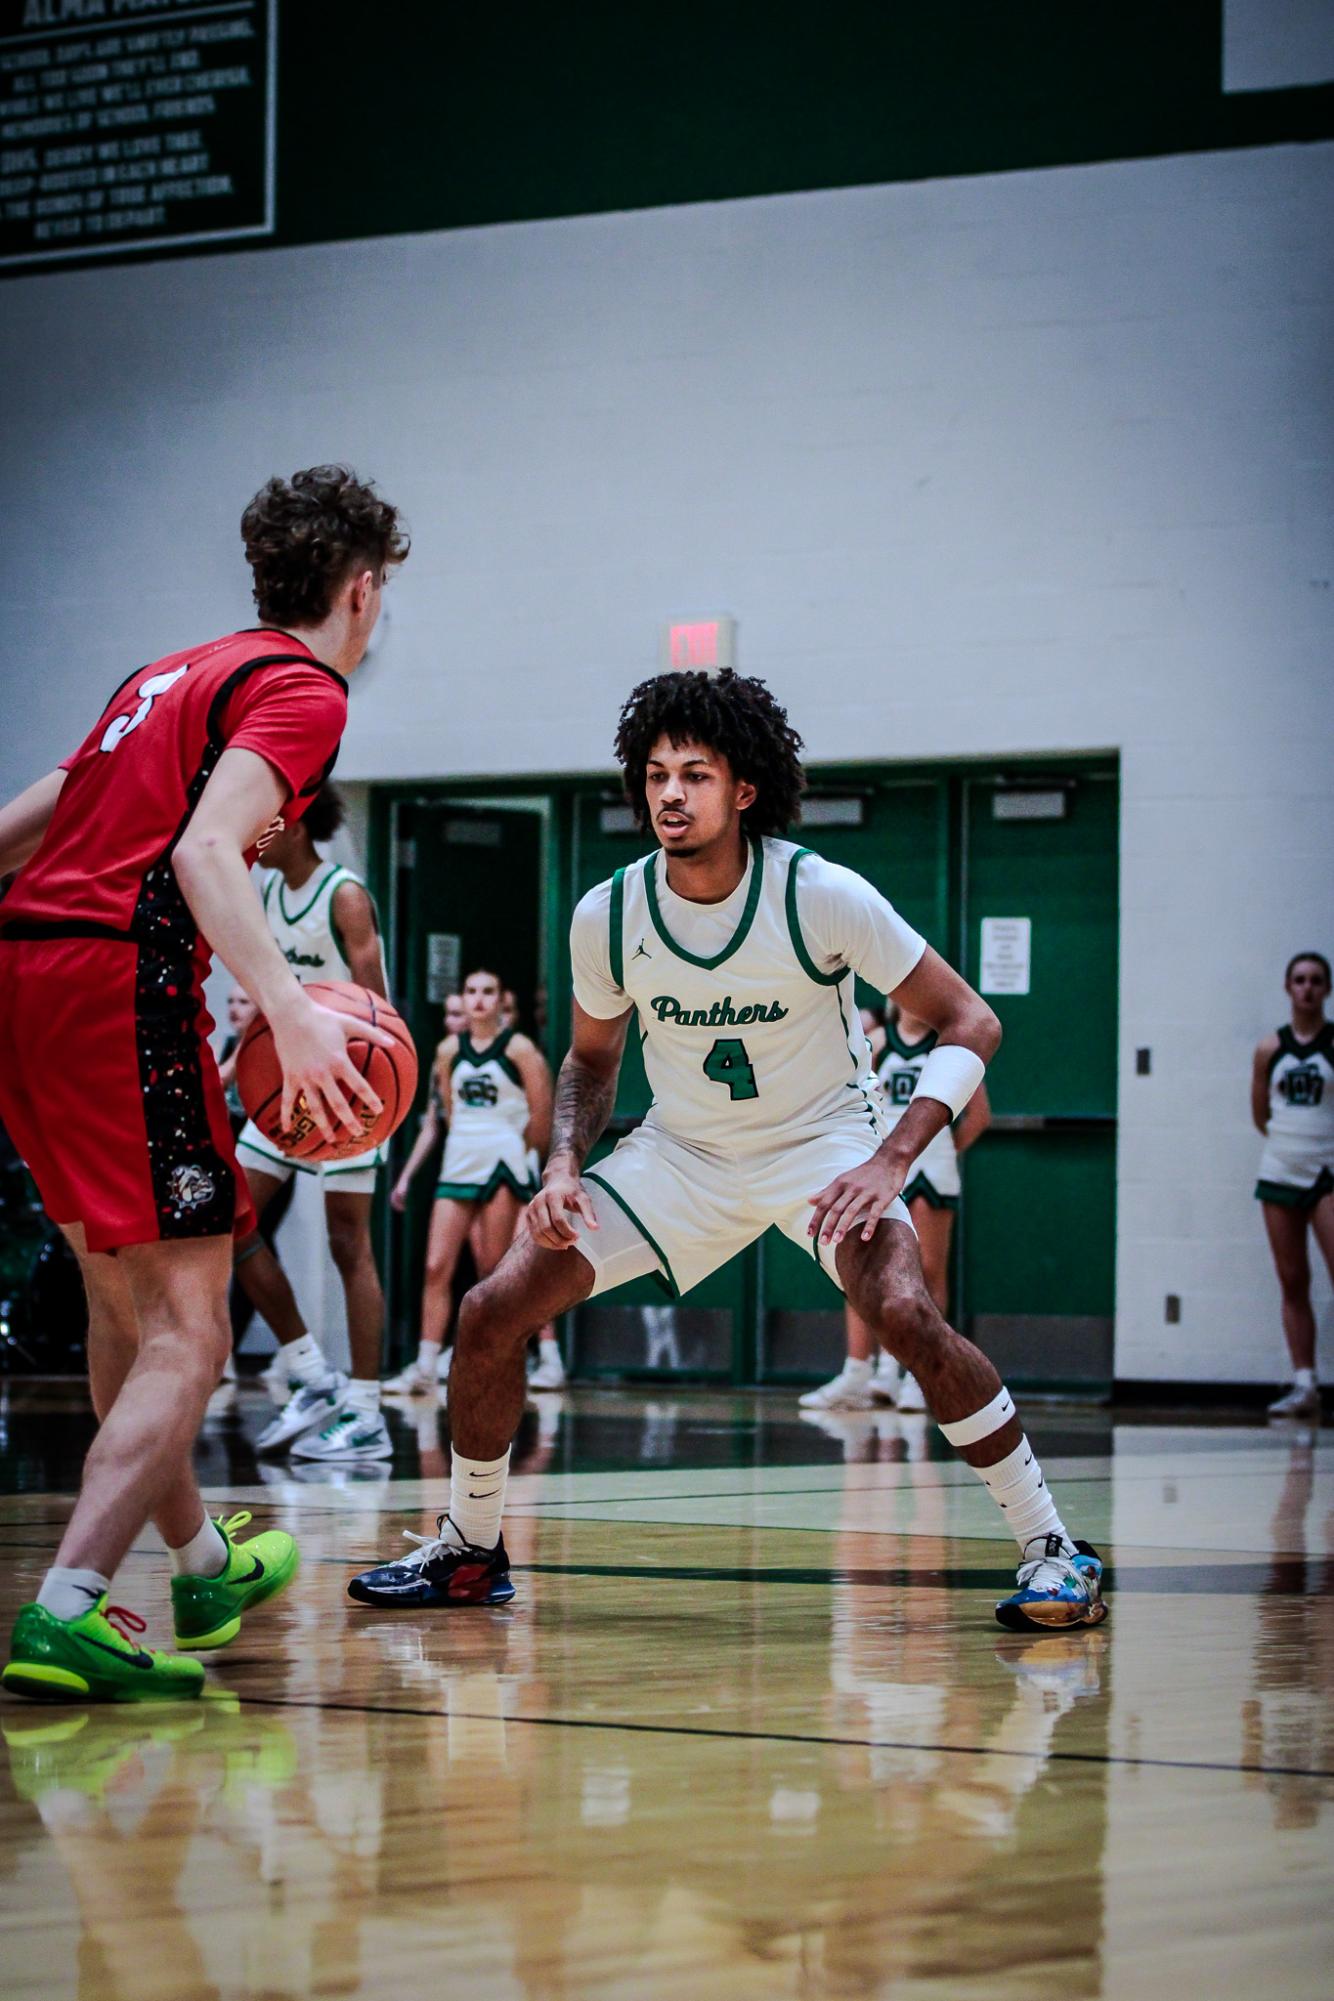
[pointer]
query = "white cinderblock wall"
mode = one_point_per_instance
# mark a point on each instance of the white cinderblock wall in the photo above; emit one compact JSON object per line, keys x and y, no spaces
{"x":1033,"y":462}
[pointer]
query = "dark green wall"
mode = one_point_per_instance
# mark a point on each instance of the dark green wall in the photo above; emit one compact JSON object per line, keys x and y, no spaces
{"x":424,"y":114}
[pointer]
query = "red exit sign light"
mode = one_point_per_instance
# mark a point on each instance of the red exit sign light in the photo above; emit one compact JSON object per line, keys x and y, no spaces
{"x":699,"y":643}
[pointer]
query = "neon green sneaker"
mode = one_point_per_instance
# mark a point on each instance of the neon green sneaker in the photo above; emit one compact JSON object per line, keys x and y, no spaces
{"x":95,"y":1657}
{"x":207,"y":1610}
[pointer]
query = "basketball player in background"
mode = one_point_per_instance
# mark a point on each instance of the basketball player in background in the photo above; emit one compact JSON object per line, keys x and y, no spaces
{"x":326,"y":926}
{"x":494,"y":1090}
{"x":1292,"y":1105}
{"x":734,"y":952}
{"x":135,"y":860}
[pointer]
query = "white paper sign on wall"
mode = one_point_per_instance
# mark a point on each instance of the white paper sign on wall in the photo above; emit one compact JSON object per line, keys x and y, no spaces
{"x":1007,"y":944}
{"x":444,"y":956}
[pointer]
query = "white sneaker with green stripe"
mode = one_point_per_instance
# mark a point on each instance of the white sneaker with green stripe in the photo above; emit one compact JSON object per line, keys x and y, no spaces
{"x":349,"y":1434}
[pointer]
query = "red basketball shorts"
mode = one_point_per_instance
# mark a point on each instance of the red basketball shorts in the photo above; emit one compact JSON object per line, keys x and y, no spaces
{"x":111,"y":1094}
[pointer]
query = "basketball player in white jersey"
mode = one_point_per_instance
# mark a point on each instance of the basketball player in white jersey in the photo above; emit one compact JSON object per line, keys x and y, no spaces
{"x":324,"y":920}
{"x":732,"y":953}
{"x":1292,"y":1104}
{"x":494,"y":1089}
{"x":899,"y":1051}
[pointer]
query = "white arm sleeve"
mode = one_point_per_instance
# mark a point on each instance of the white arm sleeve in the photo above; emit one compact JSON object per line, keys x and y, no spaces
{"x":846,"y":922}
{"x":590,"y":957}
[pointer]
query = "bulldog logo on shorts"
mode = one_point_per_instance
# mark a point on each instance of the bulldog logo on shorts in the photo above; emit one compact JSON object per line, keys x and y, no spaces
{"x":191,"y":1187}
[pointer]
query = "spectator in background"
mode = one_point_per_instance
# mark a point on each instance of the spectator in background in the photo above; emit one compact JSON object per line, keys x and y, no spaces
{"x":1292,"y":1104}
{"x":493,"y":1089}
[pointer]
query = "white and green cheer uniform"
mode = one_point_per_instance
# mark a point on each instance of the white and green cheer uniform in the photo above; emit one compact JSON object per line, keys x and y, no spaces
{"x":302,"y":921}
{"x":934,"y":1174}
{"x":1297,"y":1165}
{"x":763,"y":1088}
{"x":485,"y":1147}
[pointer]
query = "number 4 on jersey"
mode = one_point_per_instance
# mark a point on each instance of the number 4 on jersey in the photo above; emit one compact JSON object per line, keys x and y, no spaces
{"x":727,"y":1063}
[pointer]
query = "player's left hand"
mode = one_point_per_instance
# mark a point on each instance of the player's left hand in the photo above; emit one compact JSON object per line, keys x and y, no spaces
{"x":859,"y":1197}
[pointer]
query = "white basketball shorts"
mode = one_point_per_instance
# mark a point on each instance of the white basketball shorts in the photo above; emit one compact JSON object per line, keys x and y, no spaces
{"x":353,"y":1177}
{"x":663,"y":1205}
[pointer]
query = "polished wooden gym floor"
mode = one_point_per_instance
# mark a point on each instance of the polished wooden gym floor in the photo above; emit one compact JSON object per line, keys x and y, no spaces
{"x":748,"y":1728}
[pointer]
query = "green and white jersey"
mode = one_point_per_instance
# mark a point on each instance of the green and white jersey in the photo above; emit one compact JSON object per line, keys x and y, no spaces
{"x":486,"y":1090}
{"x":302,"y":921}
{"x":488,"y":1117}
{"x":751,"y":1036}
{"x":1303,"y":1095}
{"x":900,"y":1070}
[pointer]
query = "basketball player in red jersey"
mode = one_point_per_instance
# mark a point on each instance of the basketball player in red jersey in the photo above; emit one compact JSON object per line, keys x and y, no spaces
{"x":134,"y":862}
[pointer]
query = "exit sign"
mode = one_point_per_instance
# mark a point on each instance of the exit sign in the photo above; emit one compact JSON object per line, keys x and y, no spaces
{"x":699,"y":643}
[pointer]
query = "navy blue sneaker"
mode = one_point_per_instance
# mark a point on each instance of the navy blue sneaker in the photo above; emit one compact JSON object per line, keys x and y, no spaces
{"x":442,"y":1570}
{"x":1060,"y":1584}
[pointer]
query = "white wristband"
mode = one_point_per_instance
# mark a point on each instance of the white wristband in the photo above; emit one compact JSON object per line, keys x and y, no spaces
{"x":952,"y":1075}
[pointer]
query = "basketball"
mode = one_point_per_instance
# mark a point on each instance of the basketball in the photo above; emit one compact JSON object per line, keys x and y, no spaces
{"x":391,"y":1074}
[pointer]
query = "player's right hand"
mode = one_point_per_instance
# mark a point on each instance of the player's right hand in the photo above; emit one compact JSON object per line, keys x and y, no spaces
{"x":310,"y":1043}
{"x":547,"y":1216}
{"x":398,"y":1198}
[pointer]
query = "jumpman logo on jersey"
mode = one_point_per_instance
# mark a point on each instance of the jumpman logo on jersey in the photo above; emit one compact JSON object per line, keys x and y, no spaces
{"x":641,"y":951}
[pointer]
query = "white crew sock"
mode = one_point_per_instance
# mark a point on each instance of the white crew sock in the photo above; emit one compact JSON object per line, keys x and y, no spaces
{"x":1016,"y":1485}
{"x":362,"y":1397}
{"x":547,"y":1344}
{"x":305,"y":1360}
{"x":65,"y":1594}
{"x":477,"y":1498}
{"x":428,"y":1354}
{"x":857,"y":1371}
{"x":205,"y":1555}
{"x":1303,"y":1379}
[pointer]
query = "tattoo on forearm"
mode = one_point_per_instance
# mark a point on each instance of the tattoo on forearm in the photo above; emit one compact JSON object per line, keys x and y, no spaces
{"x":583,"y":1105}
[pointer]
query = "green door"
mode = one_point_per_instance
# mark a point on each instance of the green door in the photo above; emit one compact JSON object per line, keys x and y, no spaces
{"x":468,"y":877}
{"x":1039,"y":1212}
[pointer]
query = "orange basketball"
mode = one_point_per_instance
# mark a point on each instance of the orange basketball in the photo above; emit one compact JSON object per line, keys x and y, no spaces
{"x":391,"y":1074}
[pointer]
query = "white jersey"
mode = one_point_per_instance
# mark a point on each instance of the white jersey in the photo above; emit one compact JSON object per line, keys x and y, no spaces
{"x":751,"y":1036}
{"x":1300,"y":1138}
{"x":488,"y":1117}
{"x":900,"y":1069}
{"x":302,"y":921}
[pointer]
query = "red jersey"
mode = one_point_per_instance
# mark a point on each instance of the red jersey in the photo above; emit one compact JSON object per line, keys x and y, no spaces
{"x":104,"y":868}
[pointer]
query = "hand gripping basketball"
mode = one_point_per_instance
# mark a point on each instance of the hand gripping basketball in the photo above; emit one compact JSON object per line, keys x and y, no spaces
{"x":329,"y":1105}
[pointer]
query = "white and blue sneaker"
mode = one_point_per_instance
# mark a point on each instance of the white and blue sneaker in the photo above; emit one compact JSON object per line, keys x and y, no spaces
{"x":349,"y":1434}
{"x":309,"y":1405}
{"x":1060,"y":1585}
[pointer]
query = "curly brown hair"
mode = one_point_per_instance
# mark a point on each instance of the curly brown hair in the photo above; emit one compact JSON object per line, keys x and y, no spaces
{"x":325,"y":814}
{"x":731,"y":713}
{"x":303,"y":536}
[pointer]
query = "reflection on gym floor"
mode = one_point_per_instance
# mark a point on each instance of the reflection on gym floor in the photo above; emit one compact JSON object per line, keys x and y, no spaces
{"x":748,"y":1728}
